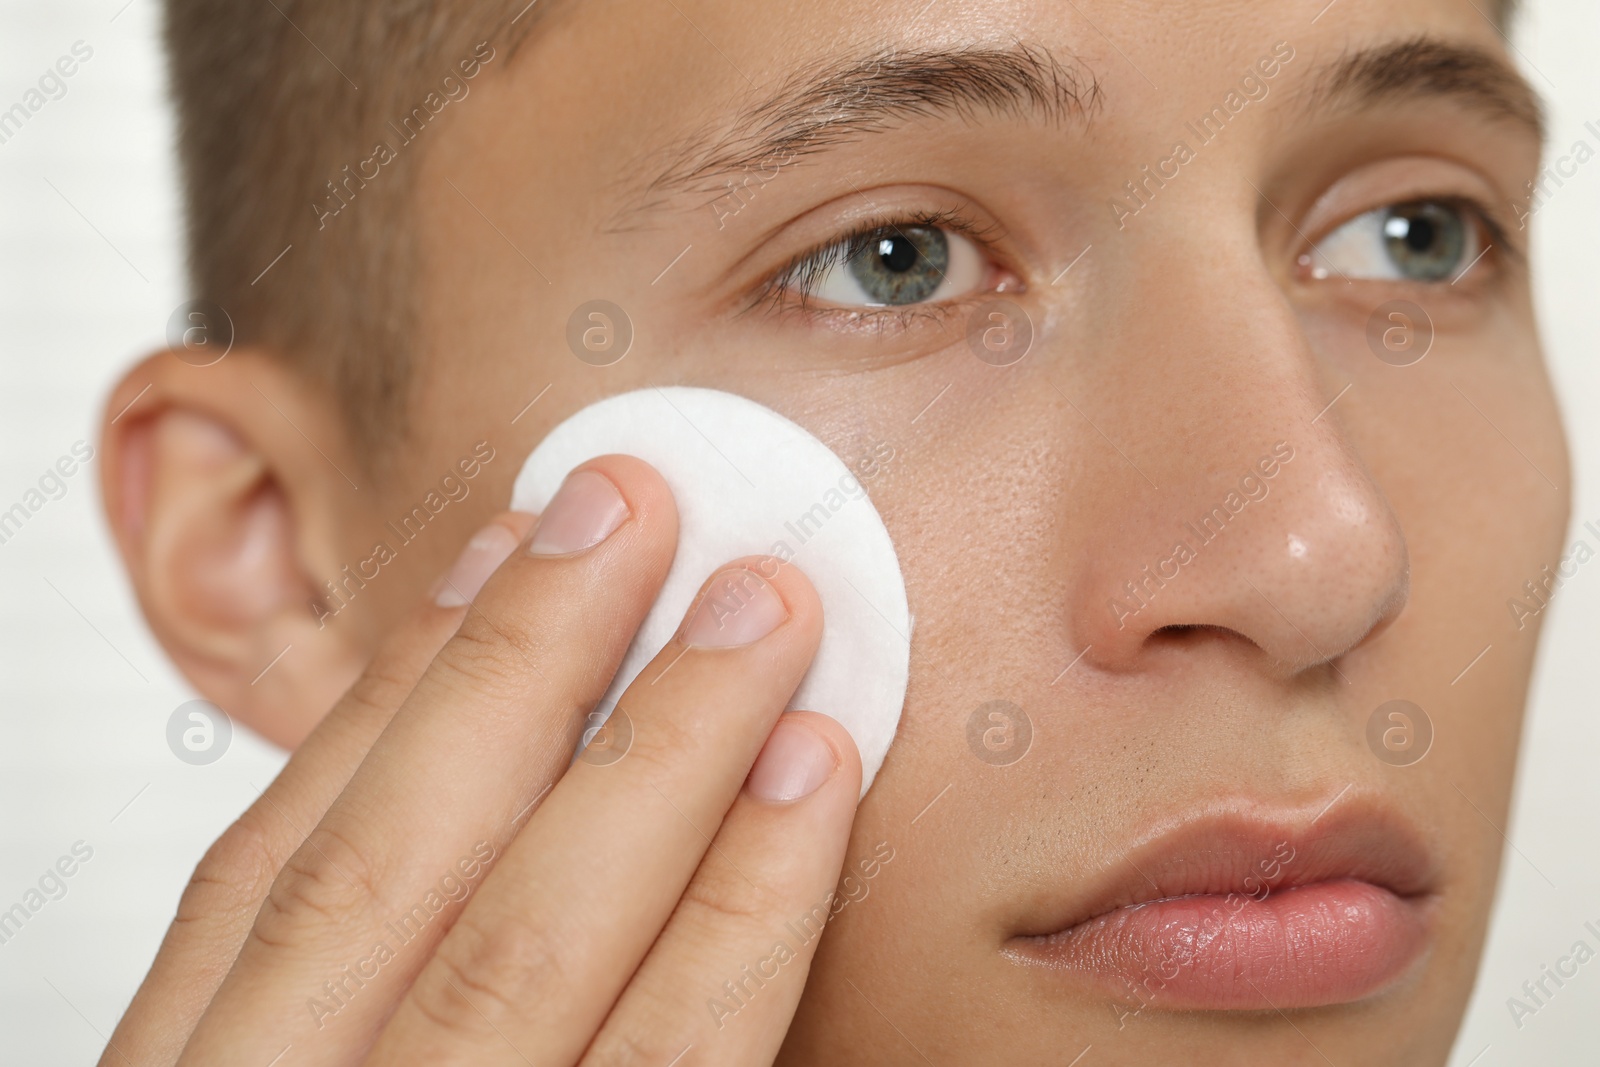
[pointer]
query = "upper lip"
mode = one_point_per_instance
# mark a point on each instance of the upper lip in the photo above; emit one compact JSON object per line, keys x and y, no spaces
{"x":1241,"y":848}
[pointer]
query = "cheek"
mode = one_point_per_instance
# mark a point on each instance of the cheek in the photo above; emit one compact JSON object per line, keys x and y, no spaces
{"x":976,"y":507}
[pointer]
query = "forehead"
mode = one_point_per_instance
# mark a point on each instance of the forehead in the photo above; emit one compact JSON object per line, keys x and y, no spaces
{"x":658,"y":95}
{"x":690,"y":58}
{"x":712,"y":44}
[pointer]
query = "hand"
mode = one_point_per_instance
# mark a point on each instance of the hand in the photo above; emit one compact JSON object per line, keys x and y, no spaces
{"x":429,"y":881}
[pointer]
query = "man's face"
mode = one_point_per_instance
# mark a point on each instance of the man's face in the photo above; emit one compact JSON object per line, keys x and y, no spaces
{"x":1199,"y":383}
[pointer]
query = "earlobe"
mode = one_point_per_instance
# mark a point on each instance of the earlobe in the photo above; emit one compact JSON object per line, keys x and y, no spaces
{"x":221,"y":518}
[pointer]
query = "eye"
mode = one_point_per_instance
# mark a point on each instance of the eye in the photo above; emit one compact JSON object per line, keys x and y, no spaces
{"x":890,"y":266}
{"x":1420,"y":241}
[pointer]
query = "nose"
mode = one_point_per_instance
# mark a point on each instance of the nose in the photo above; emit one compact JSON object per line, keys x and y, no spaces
{"x":1265,"y":528}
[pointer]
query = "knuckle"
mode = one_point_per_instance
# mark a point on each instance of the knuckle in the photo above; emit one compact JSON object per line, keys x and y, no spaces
{"x":666,"y":744}
{"x":484,"y":657}
{"x":233,"y":875}
{"x":380,"y":688}
{"x":482,"y":976}
{"x":325,"y":883}
{"x":718,"y":898}
{"x":442,"y":1001}
{"x":630,"y":1046}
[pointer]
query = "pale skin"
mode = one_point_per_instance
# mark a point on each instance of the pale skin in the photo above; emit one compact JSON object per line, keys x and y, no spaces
{"x":1167,"y":360}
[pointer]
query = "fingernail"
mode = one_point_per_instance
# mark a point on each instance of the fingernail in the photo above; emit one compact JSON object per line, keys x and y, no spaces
{"x":738,"y":608}
{"x":793,"y":763}
{"x":583,"y":513}
{"x":488,"y":549}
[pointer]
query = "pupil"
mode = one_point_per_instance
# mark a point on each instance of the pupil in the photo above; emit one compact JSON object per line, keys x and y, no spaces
{"x":1427,"y":240}
{"x":901,"y":265}
{"x":897,"y":253}
{"x":1420,"y":235}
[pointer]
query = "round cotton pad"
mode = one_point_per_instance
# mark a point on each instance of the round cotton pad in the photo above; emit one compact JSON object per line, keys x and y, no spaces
{"x":748,"y":481}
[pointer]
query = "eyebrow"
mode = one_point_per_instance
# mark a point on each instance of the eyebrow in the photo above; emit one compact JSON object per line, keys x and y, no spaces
{"x":829,"y":104}
{"x":1424,"y":67}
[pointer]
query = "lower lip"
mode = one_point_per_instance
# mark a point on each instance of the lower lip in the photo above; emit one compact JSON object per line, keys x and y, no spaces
{"x":1310,"y":945}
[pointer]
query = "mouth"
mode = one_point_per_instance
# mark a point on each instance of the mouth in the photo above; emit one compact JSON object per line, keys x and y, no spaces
{"x":1246,"y":912}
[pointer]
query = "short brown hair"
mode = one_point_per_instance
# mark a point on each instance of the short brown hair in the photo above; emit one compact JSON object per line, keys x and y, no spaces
{"x":275,"y":100}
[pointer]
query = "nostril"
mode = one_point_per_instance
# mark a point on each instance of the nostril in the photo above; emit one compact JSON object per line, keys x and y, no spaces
{"x":1176,"y":630}
{"x":1188,"y":633}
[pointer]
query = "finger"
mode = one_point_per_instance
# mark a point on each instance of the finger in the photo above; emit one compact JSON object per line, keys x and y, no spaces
{"x":492,"y":722}
{"x":229,"y":883}
{"x":542,"y":952}
{"x":721,"y":984}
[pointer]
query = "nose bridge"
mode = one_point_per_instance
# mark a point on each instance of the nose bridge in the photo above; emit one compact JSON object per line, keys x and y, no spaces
{"x":1265,"y":523}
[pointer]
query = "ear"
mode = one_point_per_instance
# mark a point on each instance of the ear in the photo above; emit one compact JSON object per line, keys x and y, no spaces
{"x":226,"y":487}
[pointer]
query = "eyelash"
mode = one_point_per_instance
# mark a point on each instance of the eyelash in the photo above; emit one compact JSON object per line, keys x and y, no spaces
{"x":1496,"y":236}
{"x":798,"y":276}
{"x":801,"y":273}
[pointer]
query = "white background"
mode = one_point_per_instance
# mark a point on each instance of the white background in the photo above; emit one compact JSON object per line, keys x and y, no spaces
{"x":90,"y":272}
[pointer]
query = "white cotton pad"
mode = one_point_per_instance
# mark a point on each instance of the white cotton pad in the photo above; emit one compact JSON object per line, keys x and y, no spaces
{"x":747,"y":481}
